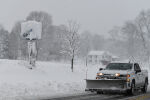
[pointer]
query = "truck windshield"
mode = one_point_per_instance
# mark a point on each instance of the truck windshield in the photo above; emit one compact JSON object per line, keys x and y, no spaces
{"x":119,"y":66}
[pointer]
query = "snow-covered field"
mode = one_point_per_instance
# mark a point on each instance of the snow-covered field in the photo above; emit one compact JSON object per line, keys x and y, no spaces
{"x":47,"y":79}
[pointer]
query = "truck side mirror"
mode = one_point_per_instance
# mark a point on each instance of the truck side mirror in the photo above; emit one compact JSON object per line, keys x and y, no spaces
{"x":137,"y":71}
{"x":100,"y":69}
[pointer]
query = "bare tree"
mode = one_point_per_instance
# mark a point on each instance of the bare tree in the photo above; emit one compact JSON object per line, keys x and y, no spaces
{"x":143,"y":30}
{"x":129,"y":30}
{"x":86,"y":43}
{"x":71,"y":40}
{"x":116,"y":43}
{"x":3,"y":42}
{"x":137,"y":35}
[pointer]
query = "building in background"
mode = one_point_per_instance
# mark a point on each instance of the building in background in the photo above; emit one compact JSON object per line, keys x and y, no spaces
{"x":115,"y":58}
{"x":101,"y":57}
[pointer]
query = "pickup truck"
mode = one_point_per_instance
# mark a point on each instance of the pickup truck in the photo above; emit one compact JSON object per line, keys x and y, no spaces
{"x":122,"y":77}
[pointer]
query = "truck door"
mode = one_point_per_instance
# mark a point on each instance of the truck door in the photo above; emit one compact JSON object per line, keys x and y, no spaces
{"x":142,"y":79}
{"x":138,"y":75}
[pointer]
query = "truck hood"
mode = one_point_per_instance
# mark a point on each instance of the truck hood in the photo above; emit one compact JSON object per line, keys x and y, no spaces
{"x":114,"y":71}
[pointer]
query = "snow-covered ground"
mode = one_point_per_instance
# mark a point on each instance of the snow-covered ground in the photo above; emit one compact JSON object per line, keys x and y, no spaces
{"x":47,"y":79}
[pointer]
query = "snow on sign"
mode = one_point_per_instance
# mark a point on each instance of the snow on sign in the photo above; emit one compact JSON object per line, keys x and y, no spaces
{"x":31,"y":30}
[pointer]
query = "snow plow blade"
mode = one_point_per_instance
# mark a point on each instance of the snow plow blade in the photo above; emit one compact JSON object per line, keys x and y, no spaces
{"x":108,"y":84}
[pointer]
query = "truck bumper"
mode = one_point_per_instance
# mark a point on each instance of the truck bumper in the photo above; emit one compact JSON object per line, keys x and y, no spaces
{"x":107,"y":85}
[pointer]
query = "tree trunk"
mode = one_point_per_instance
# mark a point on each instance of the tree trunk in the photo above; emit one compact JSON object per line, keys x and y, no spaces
{"x":72,"y":61}
{"x":72,"y":64}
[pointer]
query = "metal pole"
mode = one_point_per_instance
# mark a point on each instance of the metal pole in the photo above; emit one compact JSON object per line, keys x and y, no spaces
{"x":29,"y":51}
{"x":86,"y":67}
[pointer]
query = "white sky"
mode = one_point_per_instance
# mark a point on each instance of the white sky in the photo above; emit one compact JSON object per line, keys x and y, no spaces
{"x":98,"y":16}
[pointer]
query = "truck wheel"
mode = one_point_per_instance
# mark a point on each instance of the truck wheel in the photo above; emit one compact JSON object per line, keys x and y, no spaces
{"x":132,"y":90}
{"x":99,"y":92}
{"x":144,"y":89}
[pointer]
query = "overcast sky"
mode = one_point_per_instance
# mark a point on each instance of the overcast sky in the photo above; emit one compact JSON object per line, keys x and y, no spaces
{"x":98,"y":16}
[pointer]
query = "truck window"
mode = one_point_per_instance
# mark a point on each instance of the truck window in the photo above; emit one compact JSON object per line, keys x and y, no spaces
{"x":119,"y":66}
{"x":136,"y":67}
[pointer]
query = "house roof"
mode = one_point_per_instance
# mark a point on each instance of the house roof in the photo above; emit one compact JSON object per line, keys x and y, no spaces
{"x":115,"y":56}
{"x":102,"y":53}
{"x":98,"y":53}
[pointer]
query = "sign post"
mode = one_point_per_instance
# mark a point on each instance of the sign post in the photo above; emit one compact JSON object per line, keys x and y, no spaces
{"x":31,"y":31}
{"x":32,"y":51}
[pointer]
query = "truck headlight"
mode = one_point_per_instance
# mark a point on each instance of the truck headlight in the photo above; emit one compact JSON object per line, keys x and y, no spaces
{"x":100,"y":74}
{"x":128,"y":75}
{"x":117,"y":74}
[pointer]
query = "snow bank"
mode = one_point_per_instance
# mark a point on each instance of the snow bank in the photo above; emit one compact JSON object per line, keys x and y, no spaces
{"x":47,"y":79}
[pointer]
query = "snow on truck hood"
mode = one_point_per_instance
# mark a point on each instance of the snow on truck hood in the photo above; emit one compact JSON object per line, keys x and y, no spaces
{"x":114,"y":71}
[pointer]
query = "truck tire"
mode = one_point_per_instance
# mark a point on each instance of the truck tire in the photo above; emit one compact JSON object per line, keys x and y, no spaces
{"x":132,"y":90}
{"x":144,"y":89}
{"x":99,"y":92}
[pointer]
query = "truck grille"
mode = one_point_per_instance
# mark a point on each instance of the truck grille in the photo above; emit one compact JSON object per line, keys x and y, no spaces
{"x":111,"y":76}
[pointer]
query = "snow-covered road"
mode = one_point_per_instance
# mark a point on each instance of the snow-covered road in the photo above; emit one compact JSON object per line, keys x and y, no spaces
{"x":93,"y":96}
{"x":90,"y":97}
{"x":109,"y":96}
